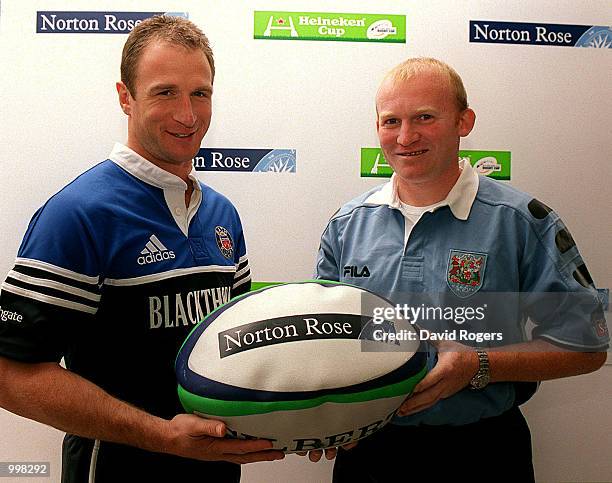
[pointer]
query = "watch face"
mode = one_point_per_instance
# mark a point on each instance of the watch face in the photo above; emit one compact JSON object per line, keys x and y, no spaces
{"x":482,"y":377}
{"x":479,"y":381}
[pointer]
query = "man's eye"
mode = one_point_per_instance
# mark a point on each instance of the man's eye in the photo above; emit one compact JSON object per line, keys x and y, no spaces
{"x":167,"y":92}
{"x":201,"y":94}
{"x":425,"y":117}
{"x":392,"y":121}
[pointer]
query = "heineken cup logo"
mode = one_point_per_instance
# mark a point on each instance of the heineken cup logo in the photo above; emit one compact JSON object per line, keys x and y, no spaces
{"x":494,"y":164}
{"x":280,"y":25}
{"x":348,"y":27}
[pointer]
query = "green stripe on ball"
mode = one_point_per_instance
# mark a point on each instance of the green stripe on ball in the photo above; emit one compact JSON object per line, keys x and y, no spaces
{"x":217,"y":407}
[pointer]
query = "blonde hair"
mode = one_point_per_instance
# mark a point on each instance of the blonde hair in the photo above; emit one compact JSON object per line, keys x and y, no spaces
{"x":418,"y":65}
{"x":165,"y":28}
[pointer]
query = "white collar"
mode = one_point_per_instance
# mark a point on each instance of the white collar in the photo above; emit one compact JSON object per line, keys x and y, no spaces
{"x":459,"y":199}
{"x":146,"y":171}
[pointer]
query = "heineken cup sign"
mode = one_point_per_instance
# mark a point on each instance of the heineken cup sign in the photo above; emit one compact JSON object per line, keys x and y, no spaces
{"x":494,"y":164}
{"x":350,"y":27}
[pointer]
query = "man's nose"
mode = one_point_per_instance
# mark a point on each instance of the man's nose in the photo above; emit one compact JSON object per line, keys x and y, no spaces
{"x":407,"y":134}
{"x":183,"y":112}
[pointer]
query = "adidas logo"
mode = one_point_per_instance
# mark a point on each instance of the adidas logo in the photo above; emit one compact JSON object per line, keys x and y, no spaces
{"x":154,"y":251}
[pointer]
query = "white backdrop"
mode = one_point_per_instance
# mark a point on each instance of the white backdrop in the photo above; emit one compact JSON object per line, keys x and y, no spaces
{"x":550,"y":106}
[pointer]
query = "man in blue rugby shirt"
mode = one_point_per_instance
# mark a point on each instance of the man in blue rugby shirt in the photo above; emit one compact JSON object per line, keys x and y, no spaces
{"x":438,"y":228}
{"x":113,"y":273}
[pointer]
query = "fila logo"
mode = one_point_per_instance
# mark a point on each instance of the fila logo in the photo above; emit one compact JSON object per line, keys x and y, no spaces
{"x":154,"y":251}
{"x":354,"y":272}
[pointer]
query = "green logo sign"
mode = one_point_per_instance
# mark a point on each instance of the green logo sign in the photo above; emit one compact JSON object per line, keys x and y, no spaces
{"x":373,"y":164}
{"x":495,"y":164}
{"x":349,"y":27}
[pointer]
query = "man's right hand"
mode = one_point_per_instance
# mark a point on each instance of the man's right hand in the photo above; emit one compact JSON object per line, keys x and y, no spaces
{"x":191,"y":436}
{"x":55,"y":396}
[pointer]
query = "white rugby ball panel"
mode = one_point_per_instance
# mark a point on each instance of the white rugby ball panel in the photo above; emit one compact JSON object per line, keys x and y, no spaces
{"x":291,"y":365}
{"x":208,"y":359}
{"x":299,"y":361}
{"x":303,"y":363}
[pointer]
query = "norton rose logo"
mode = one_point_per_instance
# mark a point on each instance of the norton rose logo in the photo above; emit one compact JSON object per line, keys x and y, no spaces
{"x":560,"y":35}
{"x":154,"y":251}
{"x":65,"y":22}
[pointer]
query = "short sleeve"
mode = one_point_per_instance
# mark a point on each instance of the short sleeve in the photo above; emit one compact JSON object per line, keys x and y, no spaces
{"x":53,"y":288}
{"x":559,"y":294}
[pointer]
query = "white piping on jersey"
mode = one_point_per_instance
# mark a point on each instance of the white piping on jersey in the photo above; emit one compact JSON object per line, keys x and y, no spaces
{"x":44,"y":282}
{"x":242,"y":272}
{"x":242,"y":259}
{"x":94,"y":461}
{"x":240,"y":282}
{"x":48,"y":299}
{"x":155,"y":277}
{"x":28,"y":262}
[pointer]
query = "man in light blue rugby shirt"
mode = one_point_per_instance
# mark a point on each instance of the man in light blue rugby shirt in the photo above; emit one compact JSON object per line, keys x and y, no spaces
{"x":438,"y":229}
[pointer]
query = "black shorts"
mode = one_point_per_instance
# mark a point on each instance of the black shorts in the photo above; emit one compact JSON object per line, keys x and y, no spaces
{"x":492,"y":449}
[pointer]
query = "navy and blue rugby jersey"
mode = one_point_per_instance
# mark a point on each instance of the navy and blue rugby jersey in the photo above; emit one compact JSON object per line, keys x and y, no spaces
{"x":114,"y":272}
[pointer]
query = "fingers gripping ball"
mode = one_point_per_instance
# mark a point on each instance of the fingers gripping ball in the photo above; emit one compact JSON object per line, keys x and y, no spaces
{"x":305,"y":365}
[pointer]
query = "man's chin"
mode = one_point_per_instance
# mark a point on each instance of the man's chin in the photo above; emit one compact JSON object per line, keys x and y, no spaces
{"x":415,"y":175}
{"x":182,"y":157}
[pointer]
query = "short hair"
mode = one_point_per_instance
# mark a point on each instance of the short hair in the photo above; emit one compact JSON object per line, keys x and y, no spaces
{"x":417,"y":65}
{"x":166,"y":28}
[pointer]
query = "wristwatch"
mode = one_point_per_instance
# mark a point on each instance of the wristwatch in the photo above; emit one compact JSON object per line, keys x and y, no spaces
{"x":482,"y":376}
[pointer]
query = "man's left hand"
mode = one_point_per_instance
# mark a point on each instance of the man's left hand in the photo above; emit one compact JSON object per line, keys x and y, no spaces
{"x":456,"y":366}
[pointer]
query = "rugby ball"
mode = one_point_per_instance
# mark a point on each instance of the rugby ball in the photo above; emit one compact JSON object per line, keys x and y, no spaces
{"x":307,"y":365}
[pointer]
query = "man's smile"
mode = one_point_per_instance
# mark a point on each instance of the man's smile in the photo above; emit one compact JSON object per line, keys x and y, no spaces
{"x":181,"y":136}
{"x":412,"y":153}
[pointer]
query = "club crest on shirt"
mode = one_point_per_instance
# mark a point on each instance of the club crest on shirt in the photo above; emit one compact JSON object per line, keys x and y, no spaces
{"x":465,"y":272}
{"x":224,"y":241}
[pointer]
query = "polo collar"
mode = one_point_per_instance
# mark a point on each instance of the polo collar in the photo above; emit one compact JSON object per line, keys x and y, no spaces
{"x":146,"y":171}
{"x":459,"y":199}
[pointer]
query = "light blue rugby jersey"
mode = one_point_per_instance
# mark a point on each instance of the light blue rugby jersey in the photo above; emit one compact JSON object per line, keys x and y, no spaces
{"x":486,"y":238}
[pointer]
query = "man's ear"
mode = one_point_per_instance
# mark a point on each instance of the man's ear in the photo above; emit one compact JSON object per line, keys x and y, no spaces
{"x":124,"y":98}
{"x":467,"y":118}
